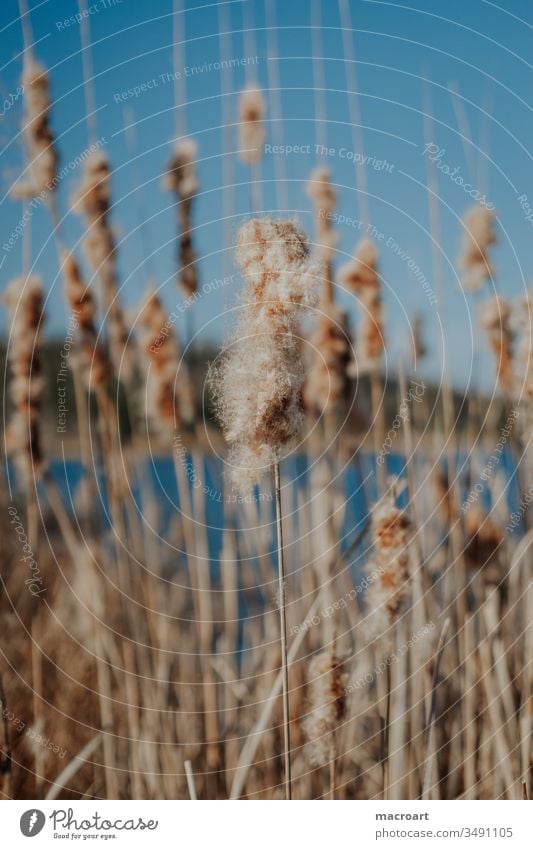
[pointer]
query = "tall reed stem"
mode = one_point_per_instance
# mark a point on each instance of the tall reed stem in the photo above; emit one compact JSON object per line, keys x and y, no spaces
{"x":283,"y":638}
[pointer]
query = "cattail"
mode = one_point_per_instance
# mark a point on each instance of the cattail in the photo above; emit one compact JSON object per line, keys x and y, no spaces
{"x":324,"y":199}
{"x":38,"y":137}
{"x":327,"y":382}
{"x":24,"y":301}
{"x":478,"y":237}
{"x":170,"y":395}
{"x":182,"y":180}
{"x":327,"y":705}
{"x":388,"y":570}
{"x":496,"y":320}
{"x":93,"y":201}
{"x":5,"y":746}
{"x":91,"y":356}
{"x":251,"y":125}
{"x":258,"y":383}
{"x":361,"y":276}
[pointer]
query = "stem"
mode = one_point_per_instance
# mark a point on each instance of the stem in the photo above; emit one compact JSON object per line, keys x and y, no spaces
{"x":426,"y":787}
{"x":385,"y":733}
{"x":332,"y":776}
{"x":102,"y":671}
{"x":378,"y":429}
{"x":283,"y":638}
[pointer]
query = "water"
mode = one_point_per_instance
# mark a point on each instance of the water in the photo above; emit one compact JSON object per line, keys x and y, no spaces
{"x":155,"y":477}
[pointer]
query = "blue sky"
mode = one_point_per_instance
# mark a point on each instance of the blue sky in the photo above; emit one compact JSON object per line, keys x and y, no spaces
{"x":482,"y":47}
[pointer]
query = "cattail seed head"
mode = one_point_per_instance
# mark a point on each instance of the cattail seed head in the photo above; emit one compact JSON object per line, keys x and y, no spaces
{"x":324,"y":199}
{"x":38,"y":137}
{"x":181,"y":179}
{"x":169,"y":391}
{"x":93,"y":196}
{"x":93,"y":201}
{"x":181,"y":173}
{"x":360,"y":274}
{"x":496,"y":320}
{"x":441,"y":493}
{"x":483,"y":537}
{"x":522,"y":368}
{"x":326,"y":386}
{"x":389,"y":566}
{"x":91,"y":356}
{"x":522,"y":314}
{"x":251,"y":125}
{"x":327,"y":680}
{"x":25,"y":303}
{"x":478,"y":236}
{"x":257,"y":384}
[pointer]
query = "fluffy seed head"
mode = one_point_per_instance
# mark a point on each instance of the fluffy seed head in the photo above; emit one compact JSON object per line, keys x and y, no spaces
{"x":360,"y":274}
{"x":522,"y":367}
{"x":93,"y":201}
{"x":264,"y":247}
{"x":258,"y":382}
